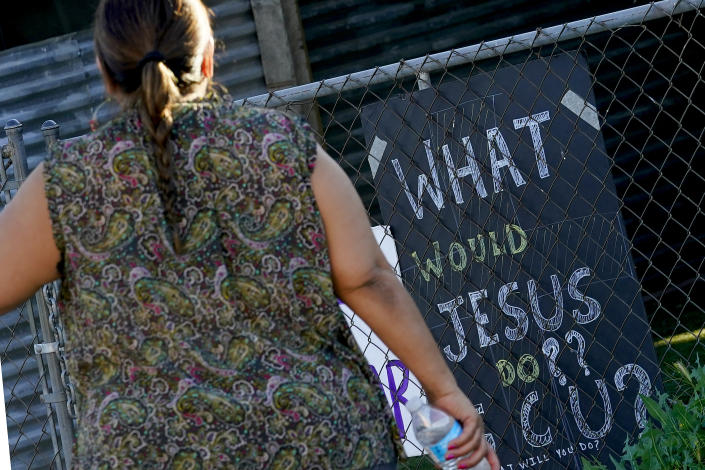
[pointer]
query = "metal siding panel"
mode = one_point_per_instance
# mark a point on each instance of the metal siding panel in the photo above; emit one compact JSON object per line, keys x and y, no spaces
{"x":238,"y":64}
{"x":347,"y":36}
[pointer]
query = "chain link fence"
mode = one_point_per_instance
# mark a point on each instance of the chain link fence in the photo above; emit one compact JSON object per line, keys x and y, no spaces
{"x":544,"y":196}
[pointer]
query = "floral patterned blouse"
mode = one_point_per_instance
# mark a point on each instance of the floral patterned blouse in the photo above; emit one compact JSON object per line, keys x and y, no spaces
{"x":233,"y":354}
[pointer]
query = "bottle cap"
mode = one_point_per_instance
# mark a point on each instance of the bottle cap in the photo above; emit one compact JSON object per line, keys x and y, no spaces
{"x":414,"y":404}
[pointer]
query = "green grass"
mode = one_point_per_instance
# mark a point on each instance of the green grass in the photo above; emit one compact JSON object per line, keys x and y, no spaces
{"x":685,"y":348}
{"x":416,"y":463}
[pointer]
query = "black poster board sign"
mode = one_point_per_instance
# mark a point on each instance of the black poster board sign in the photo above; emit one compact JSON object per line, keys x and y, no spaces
{"x":499,"y":195}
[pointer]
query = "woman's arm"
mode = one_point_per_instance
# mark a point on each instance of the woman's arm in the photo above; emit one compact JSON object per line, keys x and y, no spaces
{"x":28,"y":254}
{"x":363,"y":279}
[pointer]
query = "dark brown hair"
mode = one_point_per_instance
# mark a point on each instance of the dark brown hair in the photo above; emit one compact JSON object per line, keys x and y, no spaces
{"x":153,"y":50}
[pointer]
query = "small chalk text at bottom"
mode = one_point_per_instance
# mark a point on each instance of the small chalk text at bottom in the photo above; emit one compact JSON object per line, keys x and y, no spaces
{"x":566,"y":452}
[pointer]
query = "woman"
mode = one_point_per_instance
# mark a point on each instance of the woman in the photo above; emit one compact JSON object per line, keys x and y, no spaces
{"x":201,"y":247}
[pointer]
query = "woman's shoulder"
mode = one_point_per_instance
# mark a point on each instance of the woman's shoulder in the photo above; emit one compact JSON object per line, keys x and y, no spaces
{"x":116,"y":128}
{"x":224,"y":112}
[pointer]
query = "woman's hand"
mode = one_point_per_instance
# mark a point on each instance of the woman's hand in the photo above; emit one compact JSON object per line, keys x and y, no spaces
{"x":471,"y":441}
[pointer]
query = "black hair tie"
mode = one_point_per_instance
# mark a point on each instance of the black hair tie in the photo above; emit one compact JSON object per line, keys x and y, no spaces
{"x":154,"y":56}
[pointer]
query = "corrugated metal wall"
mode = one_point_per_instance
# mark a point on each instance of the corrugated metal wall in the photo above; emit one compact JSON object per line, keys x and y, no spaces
{"x":57,"y":79}
{"x":657,"y":148}
{"x":238,"y":63}
{"x":345,"y":36}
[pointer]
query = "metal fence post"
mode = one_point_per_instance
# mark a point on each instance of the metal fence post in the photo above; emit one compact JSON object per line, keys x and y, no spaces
{"x":14,"y":130}
{"x":50,"y":131}
{"x":5,"y":162}
{"x":47,"y":351}
{"x":51,"y":346}
{"x":14,"y":155}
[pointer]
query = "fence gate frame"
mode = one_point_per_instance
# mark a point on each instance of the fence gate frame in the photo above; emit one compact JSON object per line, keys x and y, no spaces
{"x":57,"y":393}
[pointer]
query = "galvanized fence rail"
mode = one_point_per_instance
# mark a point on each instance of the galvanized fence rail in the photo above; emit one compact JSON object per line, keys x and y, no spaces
{"x":645,"y":70}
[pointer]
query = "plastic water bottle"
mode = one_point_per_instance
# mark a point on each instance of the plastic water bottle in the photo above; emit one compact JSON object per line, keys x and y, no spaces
{"x":434,"y":429}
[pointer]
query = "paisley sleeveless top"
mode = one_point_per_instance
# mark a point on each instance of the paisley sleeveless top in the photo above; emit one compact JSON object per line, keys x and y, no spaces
{"x":233,"y":353}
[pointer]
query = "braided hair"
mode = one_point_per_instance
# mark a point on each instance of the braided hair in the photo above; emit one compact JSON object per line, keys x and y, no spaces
{"x":152,"y":51}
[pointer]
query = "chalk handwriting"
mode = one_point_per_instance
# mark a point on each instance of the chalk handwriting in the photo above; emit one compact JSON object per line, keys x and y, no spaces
{"x":499,"y":156}
{"x":644,"y":388}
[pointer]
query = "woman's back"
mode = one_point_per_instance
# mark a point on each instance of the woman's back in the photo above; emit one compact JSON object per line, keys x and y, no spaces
{"x":233,"y":352}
